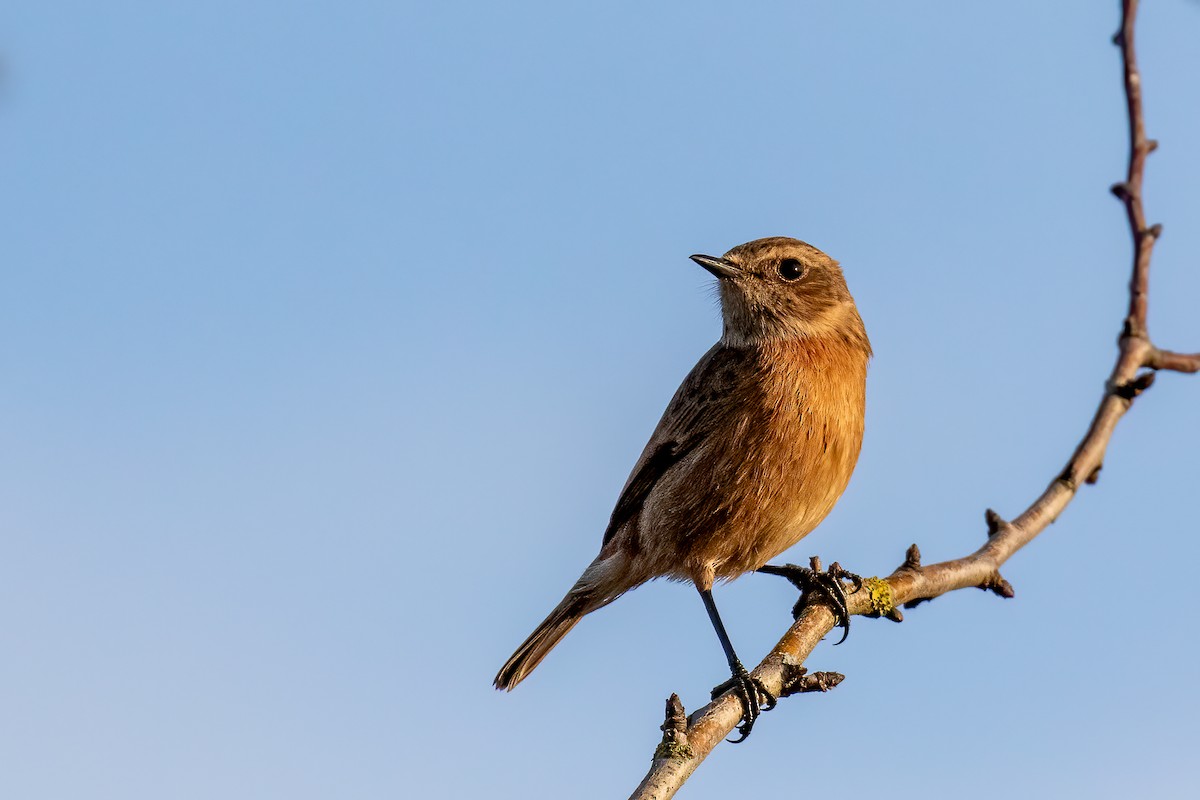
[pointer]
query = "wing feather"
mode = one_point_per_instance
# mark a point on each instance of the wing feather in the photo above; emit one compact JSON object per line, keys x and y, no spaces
{"x":696,"y":410}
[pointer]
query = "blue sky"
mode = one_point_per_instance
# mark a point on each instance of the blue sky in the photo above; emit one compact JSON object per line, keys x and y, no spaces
{"x":330,"y":332}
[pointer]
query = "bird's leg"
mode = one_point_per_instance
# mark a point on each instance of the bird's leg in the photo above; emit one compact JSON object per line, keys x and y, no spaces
{"x":810,"y":580}
{"x":755,"y":698}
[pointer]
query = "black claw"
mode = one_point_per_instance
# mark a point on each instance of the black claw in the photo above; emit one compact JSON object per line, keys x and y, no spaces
{"x":754,"y":696}
{"x":828,"y":583}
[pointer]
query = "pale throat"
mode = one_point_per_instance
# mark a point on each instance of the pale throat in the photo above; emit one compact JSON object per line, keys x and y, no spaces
{"x":742,"y":329}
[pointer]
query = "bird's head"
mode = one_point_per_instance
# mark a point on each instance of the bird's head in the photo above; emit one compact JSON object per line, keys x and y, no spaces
{"x":781,"y":288}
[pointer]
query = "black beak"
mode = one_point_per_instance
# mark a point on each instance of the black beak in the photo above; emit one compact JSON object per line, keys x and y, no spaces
{"x":721,"y":267}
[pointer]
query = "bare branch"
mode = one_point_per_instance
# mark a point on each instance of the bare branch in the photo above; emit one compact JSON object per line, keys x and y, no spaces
{"x":1176,"y":362}
{"x":911,"y":582}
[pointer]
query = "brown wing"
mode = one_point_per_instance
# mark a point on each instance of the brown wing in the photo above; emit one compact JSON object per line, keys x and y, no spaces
{"x":696,"y":410}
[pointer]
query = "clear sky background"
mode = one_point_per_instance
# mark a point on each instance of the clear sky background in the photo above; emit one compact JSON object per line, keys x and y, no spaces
{"x":330,"y":331}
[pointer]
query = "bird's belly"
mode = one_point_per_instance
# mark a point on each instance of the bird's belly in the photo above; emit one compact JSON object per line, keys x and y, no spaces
{"x":779,"y":529}
{"x":767,"y":524}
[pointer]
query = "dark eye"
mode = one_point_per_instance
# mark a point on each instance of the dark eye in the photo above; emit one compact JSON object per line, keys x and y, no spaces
{"x":790,"y":269}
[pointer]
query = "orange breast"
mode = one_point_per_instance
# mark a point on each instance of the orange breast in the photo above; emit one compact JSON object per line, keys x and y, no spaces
{"x":769,"y":476}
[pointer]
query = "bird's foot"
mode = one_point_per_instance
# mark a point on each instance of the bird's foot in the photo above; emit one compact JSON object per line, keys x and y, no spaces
{"x":755,"y":698}
{"x":813,"y":581}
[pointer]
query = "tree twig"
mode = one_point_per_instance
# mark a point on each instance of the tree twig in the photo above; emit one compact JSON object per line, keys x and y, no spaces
{"x":912,"y":582}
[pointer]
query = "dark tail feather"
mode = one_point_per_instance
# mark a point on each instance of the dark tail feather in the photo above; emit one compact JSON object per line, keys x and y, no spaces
{"x":542,"y":640}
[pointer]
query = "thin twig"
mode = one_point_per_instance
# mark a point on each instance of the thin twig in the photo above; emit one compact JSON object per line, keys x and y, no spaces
{"x":1175,"y":362}
{"x":911,"y":582}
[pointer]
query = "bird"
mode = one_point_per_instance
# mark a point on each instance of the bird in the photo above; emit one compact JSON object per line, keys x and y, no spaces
{"x":753,"y":451}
